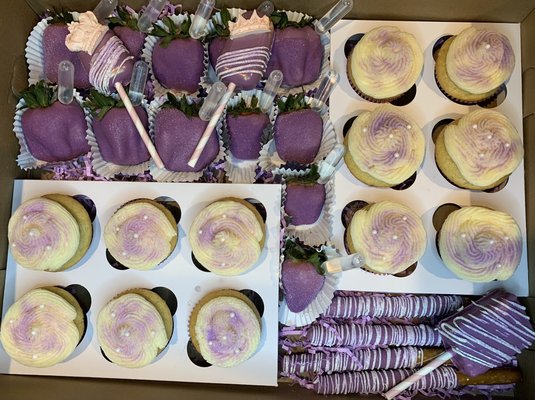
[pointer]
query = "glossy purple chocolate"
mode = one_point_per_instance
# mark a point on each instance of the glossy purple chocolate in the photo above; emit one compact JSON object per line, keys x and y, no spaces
{"x":215,"y":48}
{"x":298,"y":53}
{"x":304,"y":202}
{"x":55,"y":51}
{"x":245,"y":133}
{"x":180,"y":65}
{"x":133,"y":40}
{"x":301,"y":283}
{"x":56,"y":133}
{"x":176,"y":137}
{"x":118,"y":139}
{"x":298,"y":135}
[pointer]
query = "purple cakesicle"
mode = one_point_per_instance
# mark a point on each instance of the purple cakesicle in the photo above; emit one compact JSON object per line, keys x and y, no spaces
{"x":176,"y":137}
{"x":301,"y":283}
{"x":298,"y":135}
{"x":118,"y":139}
{"x":304,"y":202}
{"x":133,"y":40}
{"x":245,"y":133}
{"x":298,"y":53}
{"x":215,"y":48}
{"x":56,"y":133}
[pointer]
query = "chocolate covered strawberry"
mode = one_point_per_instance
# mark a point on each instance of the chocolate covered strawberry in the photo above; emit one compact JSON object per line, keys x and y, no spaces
{"x":297,"y":50}
{"x":301,"y":275}
{"x":55,"y":50}
{"x":305,"y":198}
{"x":219,"y":36}
{"x":53,"y":131}
{"x":177,"y":130}
{"x":124,"y":25}
{"x":298,"y":130}
{"x":245,"y":128}
{"x":116,"y":135}
{"x":177,"y":59}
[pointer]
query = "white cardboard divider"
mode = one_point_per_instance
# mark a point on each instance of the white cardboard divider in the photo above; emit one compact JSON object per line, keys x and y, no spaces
{"x":178,"y":274}
{"x":430,"y":189}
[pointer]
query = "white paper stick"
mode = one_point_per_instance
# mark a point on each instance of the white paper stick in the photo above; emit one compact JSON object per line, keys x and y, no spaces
{"x":139,"y":125}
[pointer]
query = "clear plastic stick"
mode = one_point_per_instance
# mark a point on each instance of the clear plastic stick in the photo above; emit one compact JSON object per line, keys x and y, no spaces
{"x":339,"y":264}
{"x":327,"y":167}
{"x":200,"y":19}
{"x":136,"y":91}
{"x":151,"y":14}
{"x":265,"y":8}
{"x":334,"y":15}
{"x":65,"y":82}
{"x":212,"y":101}
{"x":104,"y":9}
{"x":325,"y":89}
{"x":270,"y":90}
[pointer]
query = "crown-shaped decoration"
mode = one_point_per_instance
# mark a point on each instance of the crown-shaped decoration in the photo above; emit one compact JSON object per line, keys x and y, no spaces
{"x":254,"y":24}
{"x":86,"y":34}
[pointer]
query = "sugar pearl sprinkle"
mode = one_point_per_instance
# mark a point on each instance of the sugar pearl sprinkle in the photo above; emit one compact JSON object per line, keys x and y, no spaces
{"x":395,"y":237}
{"x":474,"y":126}
{"x":145,"y":217}
{"x":409,"y":126}
{"x":374,"y":232}
{"x":124,"y":253}
{"x":404,"y":218}
{"x":232,"y":315}
{"x":396,"y":155}
{"x":48,"y":248}
{"x":136,"y":235}
{"x":364,"y":129}
{"x":41,"y":306}
{"x":35,"y":356}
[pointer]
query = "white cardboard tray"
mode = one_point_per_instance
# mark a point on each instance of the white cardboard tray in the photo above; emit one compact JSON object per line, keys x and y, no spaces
{"x":430,"y":189}
{"x":178,"y":273}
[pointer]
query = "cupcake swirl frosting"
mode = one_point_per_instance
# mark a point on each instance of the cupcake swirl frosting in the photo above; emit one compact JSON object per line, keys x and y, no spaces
{"x":386,"y":62}
{"x":130,"y":330}
{"x":139,"y":235}
{"x":39,"y":330}
{"x":485,"y":146}
{"x":227,"y":330}
{"x":225,"y":237}
{"x":43,"y":235}
{"x":480,"y":245}
{"x":479,"y":61}
{"x":390,"y":236}
{"x":386,"y":144}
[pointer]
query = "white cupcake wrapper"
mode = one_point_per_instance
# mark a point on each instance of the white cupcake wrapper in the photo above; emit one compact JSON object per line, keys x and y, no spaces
{"x":320,"y":232}
{"x":105,"y":168}
{"x":146,"y":55}
{"x":270,"y":159}
{"x":35,"y":56}
{"x":165,"y":175}
{"x":319,"y":304}
{"x":242,"y":171}
{"x":25,"y":159}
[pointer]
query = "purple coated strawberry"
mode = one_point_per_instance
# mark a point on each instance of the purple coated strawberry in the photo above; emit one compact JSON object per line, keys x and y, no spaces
{"x":132,"y":39}
{"x":304,"y":202}
{"x":245,"y":133}
{"x":301,"y":284}
{"x":215,"y":48}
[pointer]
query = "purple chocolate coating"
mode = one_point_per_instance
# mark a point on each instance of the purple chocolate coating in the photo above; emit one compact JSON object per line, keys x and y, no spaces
{"x":304,"y":202}
{"x":298,"y":53}
{"x":180,"y":65}
{"x":301,"y":283}
{"x":245,"y":133}
{"x":215,"y":48}
{"x":298,"y":136}
{"x":176,"y":137}
{"x":56,"y":133}
{"x":55,"y":51}
{"x":133,"y":40}
{"x":118,"y":139}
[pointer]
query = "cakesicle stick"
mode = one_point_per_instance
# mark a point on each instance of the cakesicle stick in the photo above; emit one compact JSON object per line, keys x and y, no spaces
{"x":211,"y":125}
{"x":139,"y":125}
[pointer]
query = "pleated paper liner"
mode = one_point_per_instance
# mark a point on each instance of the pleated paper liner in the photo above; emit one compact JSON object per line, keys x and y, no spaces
{"x":25,"y":159}
{"x":319,"y":304}
{"x":165,"y":175}
{"x":272,"y":162}
{"x":243,"y":171}
{"x":151,"y":41}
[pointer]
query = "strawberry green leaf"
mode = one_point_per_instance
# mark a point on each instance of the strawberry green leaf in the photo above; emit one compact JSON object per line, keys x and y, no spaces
{"x":310,"y":177}
{"x":298,"y":252}
{"x":293,"y":103}
{"x":39,"y":95}
{"x":191,"y":110}
{"x":242,"y":107}
{"x":99,"y":104}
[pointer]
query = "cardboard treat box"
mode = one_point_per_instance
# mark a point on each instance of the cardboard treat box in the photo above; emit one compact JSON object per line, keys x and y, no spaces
{"x":16,"y":21}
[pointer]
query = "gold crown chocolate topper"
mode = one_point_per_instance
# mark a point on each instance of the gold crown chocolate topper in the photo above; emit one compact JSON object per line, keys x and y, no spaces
{"x":254,"y":24}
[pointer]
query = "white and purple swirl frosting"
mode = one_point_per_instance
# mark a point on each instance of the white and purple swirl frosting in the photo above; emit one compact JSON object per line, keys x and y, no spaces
{"x":480,"y":245}
{"x":226,"y":237}
{"x":386,"y":62}
{"x":227,"y":331}
{"x":390,"y":236}
{"x":386,"y":144}
{"x":139,"y":235}
{"x":39,"y":329}
{"x":479,"y":61}
{"x":131,"y":331}
{"x":43,"y":235}
{"x":485,"y":146}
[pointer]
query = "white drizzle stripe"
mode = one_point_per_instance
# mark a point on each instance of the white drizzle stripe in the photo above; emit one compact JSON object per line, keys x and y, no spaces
{"x":393,"y":306}
{"x":104,"y":66}
{"x":356,"y":335}
{"x":239,"y":62}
